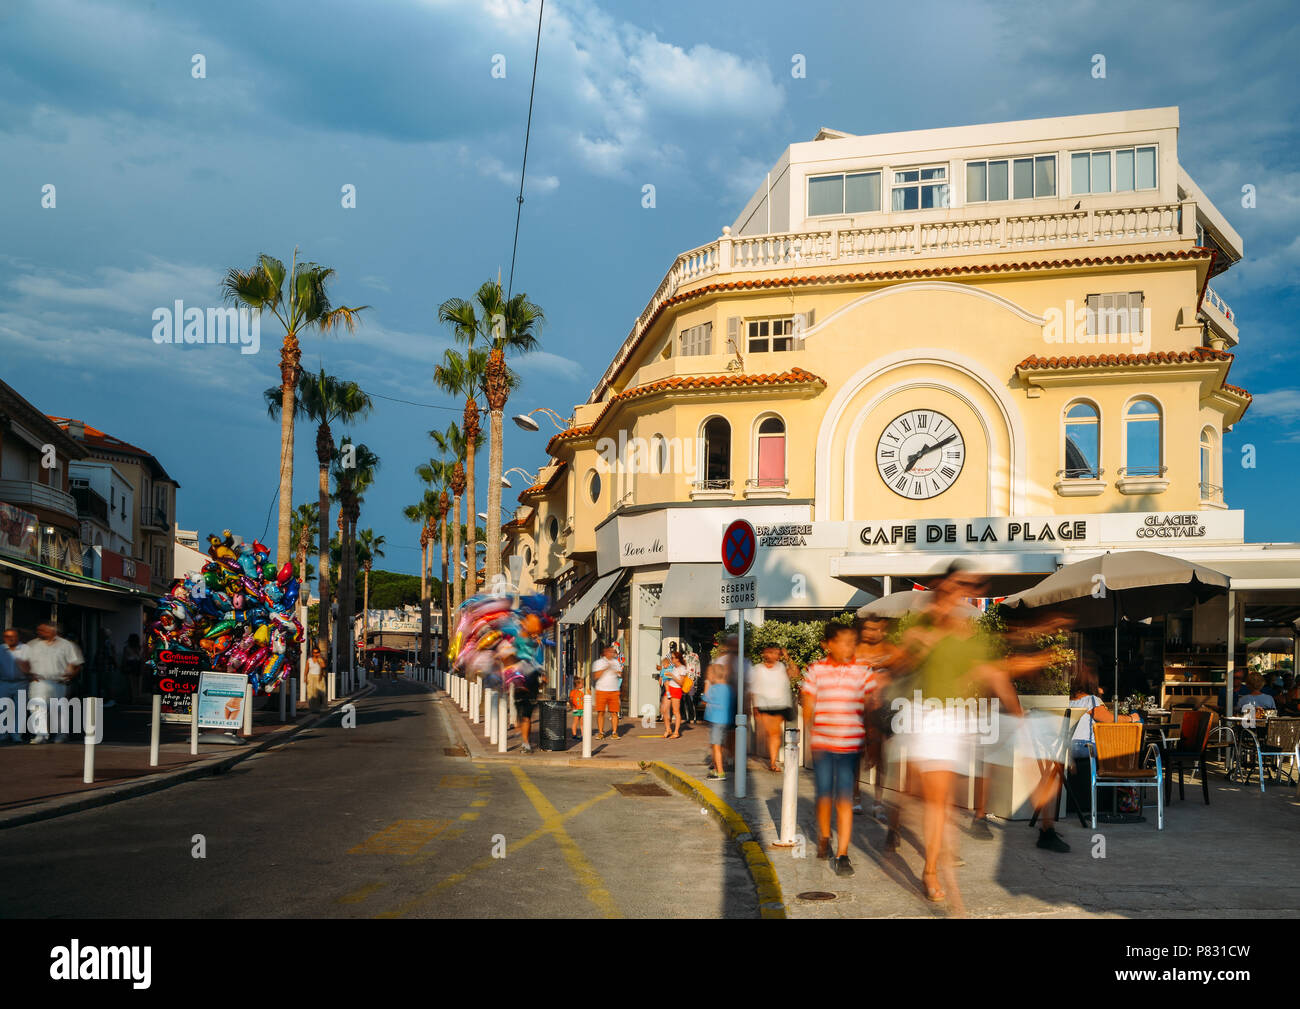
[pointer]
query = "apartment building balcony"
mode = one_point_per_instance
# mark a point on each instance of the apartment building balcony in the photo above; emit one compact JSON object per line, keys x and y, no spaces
{"x":153,"y":517}
{"x":1221,"y":320}
{"x":90,"y":503}
{"x":29,"y":494}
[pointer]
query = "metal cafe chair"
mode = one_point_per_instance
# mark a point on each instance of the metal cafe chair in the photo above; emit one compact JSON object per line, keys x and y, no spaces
{"x":1281,"y":740}
{"x":1117,"y":759}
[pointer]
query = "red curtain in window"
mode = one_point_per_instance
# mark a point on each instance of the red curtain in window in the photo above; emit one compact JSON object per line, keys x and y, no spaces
{"x":771,"y":460}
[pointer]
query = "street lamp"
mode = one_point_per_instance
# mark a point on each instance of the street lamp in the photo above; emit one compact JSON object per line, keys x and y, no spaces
{"x":530,"y":477}
{"x":525,"y":420}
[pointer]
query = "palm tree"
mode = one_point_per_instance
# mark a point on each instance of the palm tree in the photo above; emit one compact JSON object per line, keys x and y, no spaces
{"x":325,"y":400}
{"x":463,"y":375}
{"x":306,"y":519}
{"x":369,"y":546}
{"x":354,"y":469}
{"x":425,"y":514}
{"x":507,"y":325}
{"x":305,"y":304}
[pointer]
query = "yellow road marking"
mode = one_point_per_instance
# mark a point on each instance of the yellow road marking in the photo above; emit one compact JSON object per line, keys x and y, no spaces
{"x":486,"y":863}
{"x":404,"y":837}
{"x":469,"y":816}
{"x":592,"y":885}
{"x":479,"y":802}
{"x":357,"y":896}
{"x":458,"y":781}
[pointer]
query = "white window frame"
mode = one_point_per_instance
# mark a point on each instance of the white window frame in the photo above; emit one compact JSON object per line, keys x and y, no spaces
{"x":1112,"y":151}
{"x":1011,"y":160}
{"x":920,"y":183}
{"x":843,"y":177}
{"x":1159,"y":418}
{"x":1065,"y":435}
{"x":768,"y":337}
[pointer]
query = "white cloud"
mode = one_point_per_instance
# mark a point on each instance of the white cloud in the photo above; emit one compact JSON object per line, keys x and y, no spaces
{"x":1280,"y":403}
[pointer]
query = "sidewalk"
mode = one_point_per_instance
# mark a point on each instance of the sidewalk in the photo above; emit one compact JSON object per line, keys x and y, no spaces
{"x":1209,"y":861}
{"x":42,"y":781}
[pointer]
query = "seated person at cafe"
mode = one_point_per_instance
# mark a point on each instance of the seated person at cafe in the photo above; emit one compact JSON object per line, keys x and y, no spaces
{"x":1254,"y":695}
{"x":1086,"y":693}
{"x":1288,"y":701}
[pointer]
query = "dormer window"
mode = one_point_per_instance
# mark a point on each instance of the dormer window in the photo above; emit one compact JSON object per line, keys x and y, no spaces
{"x":921,"y":189}
{"x":1122,"y":170}
{"x":1011,"y":179}
{"x":855,"y":193}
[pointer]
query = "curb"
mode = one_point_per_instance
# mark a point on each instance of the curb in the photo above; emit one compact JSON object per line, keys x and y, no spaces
{"x":771,"y":903}
{"x":165,"y":779}
{"x":477,"y":749}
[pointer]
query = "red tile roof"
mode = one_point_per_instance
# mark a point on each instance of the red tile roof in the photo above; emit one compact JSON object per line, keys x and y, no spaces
{"x":95,"y":438}
{"x":1193,"y":356}
{"x":546,"y":484}
{"x":919,"y":273}
{"x":795,"y":376}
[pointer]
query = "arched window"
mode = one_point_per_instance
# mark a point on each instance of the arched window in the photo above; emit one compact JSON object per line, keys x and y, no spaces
{"x":553,"y":528}
{"x":1211,"y":490}
{"x":771,"y":452}
{"x":593,"y":486}
{"x":1142,"y":439}
{"x":1082,"y":442}
{"x":717,"y":454}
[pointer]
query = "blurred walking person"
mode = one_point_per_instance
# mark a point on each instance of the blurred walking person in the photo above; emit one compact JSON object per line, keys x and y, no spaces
{"x":771,"y":698}
{"x":13,"y":678}
{"x":834,"y":697}
{"x":55,"y":663}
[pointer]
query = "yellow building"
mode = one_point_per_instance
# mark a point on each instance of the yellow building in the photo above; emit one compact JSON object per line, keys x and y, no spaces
{"x":991,"y":341}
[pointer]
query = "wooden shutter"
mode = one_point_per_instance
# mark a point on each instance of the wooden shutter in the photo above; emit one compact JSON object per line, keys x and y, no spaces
{"x":733,"y":335}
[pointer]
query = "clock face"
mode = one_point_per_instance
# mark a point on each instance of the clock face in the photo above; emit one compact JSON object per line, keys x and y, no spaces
{"x":920,"y":454}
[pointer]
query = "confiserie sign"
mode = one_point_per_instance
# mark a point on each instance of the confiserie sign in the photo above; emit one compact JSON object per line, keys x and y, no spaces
{"x":176,"y":677}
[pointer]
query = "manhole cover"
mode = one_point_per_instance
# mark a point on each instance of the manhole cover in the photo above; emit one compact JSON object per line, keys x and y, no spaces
{"x":454,"y":751}
{"x":641,"y":788}
{"x":816,"y":895}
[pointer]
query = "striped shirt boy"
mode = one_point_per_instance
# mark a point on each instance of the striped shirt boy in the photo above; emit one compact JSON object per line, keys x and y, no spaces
{"x":839,"y":694}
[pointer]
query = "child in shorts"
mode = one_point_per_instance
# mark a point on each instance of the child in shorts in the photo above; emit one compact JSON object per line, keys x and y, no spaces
{"x":719,"y":704}
{"x":575,"y":702}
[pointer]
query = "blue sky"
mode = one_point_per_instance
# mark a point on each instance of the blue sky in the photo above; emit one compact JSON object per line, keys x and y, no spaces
{"x":164,"y":181}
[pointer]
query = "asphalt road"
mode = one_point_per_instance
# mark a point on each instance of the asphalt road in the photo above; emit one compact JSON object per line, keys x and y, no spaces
{"x":379,"y":821}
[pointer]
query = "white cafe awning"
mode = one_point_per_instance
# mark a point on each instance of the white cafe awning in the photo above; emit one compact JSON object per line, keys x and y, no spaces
{"x":1007,"y":570}
{"x":692,"y":590}
{"x":593,"y":597}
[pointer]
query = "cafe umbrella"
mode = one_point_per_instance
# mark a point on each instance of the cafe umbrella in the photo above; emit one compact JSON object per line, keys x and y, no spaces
{"x":899,"y":604}
{"x":1129,"y":585}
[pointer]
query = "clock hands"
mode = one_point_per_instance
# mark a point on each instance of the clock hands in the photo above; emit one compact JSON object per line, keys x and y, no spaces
{"x":915,"y":457}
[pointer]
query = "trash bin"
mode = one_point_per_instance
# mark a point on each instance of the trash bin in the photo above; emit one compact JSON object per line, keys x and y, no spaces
{"x":552,"y":725}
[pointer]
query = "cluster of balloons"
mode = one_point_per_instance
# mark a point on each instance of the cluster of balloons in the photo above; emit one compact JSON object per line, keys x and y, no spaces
{"x":500,"y":640}
{"x":238,"y":609}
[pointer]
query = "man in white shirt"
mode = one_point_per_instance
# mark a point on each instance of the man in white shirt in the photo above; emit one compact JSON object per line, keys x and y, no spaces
{"x":13,"y":677}
{"x":607,"y":672}
{"x":54,"y":663}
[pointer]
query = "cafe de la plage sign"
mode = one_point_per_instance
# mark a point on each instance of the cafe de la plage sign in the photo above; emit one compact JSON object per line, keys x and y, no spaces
{"x":1013,"y":532}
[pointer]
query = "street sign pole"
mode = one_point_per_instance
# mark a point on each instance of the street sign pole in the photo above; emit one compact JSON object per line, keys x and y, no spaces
{"x":738,"y":548}
{"x":742,"y":727}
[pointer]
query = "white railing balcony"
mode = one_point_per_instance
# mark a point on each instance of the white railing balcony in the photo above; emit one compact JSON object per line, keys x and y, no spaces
{"x":901,"y":237}
{"x":28,"y":494}
{"x":1219,"y":315}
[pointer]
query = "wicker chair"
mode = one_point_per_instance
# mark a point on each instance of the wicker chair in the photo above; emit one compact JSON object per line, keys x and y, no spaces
{"x":1117,"y":760}
{"x":1281,"y":739}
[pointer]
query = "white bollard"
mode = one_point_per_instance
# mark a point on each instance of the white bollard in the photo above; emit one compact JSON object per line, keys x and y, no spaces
{"x":248,"y":709}
{"x":587,"y":702}
{"x":490,"y":714}
{"x":284,"y":700}
{"x":790,"y":791}
{"x":90,"y":725}
{"x":473,"y":703}
{"x":194,"y":727}
{"x":503,"y":730}
{"x":293,"y":698}
{"x":155,"y":729}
